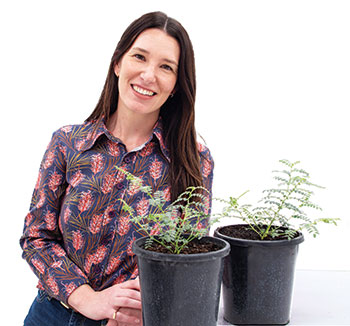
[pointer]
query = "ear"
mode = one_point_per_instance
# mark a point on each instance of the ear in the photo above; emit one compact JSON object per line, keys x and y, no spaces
{"x":117,"y":69}
{"x":174,"y":90}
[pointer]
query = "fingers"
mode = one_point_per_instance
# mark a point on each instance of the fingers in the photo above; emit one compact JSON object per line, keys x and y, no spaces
{"x":131,"y":284}
{"x":129,"y":317}
{"x":112,"y":322}
{"x":122,"y":302}
{"x":128,"y":293}
{"x":125,"y":300}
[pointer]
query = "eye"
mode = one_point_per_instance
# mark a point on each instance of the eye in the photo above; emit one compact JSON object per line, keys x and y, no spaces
{"x":167,"y":67}
{"x":139,"y":57}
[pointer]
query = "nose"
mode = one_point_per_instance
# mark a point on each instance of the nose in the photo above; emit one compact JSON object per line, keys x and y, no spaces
{"x":148,"y":75}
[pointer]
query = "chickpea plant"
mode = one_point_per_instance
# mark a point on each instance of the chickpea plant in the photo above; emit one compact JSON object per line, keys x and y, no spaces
{"x":283,"y":212}
{"x":184,"y":220}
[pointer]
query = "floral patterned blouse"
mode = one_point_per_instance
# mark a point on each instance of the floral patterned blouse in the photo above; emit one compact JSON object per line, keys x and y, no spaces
{"x":76,"y":231}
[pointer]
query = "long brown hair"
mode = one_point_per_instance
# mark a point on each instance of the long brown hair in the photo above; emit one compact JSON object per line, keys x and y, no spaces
{"x":177,"y":112}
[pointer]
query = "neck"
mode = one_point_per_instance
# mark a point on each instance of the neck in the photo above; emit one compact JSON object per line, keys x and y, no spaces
{"x":132,"y":129}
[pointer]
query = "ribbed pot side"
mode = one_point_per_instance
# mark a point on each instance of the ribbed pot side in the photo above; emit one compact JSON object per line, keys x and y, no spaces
{"x":258,"y":280}
{"x":180,"y":290}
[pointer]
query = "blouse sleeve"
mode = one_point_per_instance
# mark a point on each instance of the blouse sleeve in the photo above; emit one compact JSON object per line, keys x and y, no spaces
{"x":42,"y":240}
{"x":207,"y":170}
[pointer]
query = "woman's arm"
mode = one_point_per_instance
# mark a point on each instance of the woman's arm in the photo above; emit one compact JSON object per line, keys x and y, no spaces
{"x":125,"y":298}
{"x":42,"y":240}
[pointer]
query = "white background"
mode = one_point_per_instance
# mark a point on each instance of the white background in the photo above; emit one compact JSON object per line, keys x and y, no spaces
{"x":273,"y":82}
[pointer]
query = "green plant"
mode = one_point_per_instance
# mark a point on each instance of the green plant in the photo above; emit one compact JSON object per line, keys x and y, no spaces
{"x":173,"y":226}
{"x":283,"y":212}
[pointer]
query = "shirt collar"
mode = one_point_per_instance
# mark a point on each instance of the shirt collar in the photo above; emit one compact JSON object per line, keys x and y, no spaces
{"x":92,"y":130}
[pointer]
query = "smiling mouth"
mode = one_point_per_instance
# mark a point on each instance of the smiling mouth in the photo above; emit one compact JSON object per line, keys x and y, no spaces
{"x":143,"y":91}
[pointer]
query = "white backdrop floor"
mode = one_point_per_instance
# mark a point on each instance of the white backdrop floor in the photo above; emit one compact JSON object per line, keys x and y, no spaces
{"x":320,"y":298}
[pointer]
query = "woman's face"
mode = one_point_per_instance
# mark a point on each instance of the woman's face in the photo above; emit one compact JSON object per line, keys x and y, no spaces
{"x":148,"y":72}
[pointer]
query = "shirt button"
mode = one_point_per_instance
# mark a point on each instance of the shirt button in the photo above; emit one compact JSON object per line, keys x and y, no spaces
{"x":111,"y":214}
{"x":127,"y":159}
{"x":120,"y":186}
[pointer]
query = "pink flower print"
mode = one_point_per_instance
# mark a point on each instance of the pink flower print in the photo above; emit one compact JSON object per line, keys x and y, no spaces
{"x":39,"y":266}
{"x":58,"y":250}
{"x":142,"y":207}
{"x":95,"y":223}
{"x":66,"y":214}
{"x":69,"y":288}
{"x":40,"y":286}
{"x":42,"y":198}
{"x":63,"y":150}
{"x":167,"y":193}
{"x":52,"y":285}
{"x":38,"y":181}
{"x":206,"y":168}
{"x":129,"y":248}
{"x":113,"y":265}
{"x":155,"y":229}
{"x":49,"y":159}
{"x":34,"y":231}
{"x":113,"y":149}
{"x":38,"y":243}
{"x":147,"y":150}
{"x":123,"y":224}
{"x":85,"y":201}
{"x":57,"y":264}
{"x":135,"y":273}
{"x":156,"y":169}
{"x":88,"y":263}
{"x":200,"y":147}
{"x":109,"y":182}
{"x":66,"y":129}
{"x":206,"y":204}
{"x":107,"y":215}
{"x":78,"y":240}
{"x":29,"y":219}
{"x":133,"y":188}
{"x":54,"y":181}
{"x":77,"y":178}
{"x":80,"y":144}
{"x":50,"y":219}
{"x":100,"y":254}
{"x":120,"y":176}
{"x":97,"y":163}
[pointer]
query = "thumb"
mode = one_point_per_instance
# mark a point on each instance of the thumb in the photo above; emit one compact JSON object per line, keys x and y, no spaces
{"x":112,"y":322}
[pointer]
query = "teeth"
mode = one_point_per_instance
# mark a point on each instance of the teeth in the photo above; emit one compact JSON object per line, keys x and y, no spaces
{"x":142,"y":91}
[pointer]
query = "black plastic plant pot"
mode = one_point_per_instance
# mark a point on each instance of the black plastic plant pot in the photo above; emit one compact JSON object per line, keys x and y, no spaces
{"x":180,"y":290}
{"x":258,"y":280}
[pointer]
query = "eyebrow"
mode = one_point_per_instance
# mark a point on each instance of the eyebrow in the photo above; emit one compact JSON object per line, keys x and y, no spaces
{"x":147,"y":52}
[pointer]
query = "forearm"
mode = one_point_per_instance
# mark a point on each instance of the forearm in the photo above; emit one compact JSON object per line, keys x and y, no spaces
{"x":77,"y":300}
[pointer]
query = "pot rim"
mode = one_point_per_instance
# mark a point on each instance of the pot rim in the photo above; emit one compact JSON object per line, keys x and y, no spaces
{"x":262,"y":243}
{"x":187,"y":258}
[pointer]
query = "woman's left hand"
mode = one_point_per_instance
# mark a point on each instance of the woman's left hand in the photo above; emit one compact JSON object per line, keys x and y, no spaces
{"x":120,"y":302}
{"x":112,"y":322}
{"x":121,"y":316}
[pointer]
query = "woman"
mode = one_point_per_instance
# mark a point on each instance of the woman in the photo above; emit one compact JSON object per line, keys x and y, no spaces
{"x":77,"y":239}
